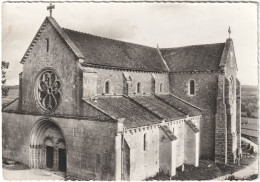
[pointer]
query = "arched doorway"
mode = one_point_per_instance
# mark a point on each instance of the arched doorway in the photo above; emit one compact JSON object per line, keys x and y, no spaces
{"x":47,"y":146}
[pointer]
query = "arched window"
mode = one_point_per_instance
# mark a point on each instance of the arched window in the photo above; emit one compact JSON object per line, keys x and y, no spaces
{"x":145,"y":142}
{"x":231,"y":87}
{"x":192,"y":87}
{"x":107,"y":87}
{"x":161,"y":87}
{"x":231,"y":80}
{"x":138,"y":87}
{"x":126,"y":89}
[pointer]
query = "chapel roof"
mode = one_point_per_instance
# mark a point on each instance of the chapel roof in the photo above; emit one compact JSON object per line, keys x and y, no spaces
{"x":124,"y":107}
{"x":116,"y":54}
{"x":195,"y":57}
{"x":142,"y":110}
{"x":180,"y":104}
{"x":159,"y":107}
{"x":12,"y":106}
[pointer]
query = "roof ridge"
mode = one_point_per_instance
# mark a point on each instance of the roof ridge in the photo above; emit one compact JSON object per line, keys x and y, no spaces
{"x":101,"y":110}
{"x":98,"y":36}
{"x":186,"y":102}
{"x":194,"y":45}
{"x":144,"y":107}
{"x":174,"y":106}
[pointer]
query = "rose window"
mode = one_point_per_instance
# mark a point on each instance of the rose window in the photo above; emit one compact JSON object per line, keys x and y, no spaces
{"x":48,"y":90}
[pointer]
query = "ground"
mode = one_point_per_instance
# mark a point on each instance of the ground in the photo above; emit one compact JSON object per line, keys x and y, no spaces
{"x":18,"y":171}
{"x":208,"y":170}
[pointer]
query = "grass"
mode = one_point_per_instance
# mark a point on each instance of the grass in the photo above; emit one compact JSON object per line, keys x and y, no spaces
{"x":251,"y":138}
{"x":208,"y":169}
{"x":13,"y":165}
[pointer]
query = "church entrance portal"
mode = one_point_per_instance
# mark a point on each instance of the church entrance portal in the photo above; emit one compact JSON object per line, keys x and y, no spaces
{"x":47,"y":148}
{"x":49,"y":157}
{"x":62,"y":160}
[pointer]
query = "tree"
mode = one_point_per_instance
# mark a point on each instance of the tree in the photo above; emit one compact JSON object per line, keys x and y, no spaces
{"x":5,"y":66}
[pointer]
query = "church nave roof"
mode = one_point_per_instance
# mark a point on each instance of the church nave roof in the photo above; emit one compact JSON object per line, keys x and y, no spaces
{"x":116,"y":54}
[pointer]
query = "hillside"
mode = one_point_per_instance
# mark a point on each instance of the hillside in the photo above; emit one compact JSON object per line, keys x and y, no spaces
{"x":12,"y":94}
{"x":249,"y":101}
{"x":249,"y":90}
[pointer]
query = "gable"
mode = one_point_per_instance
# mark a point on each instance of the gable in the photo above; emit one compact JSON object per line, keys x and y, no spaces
{"x":58,"y":59}
{"x":191,"y":58}
{"x":52,"y":21}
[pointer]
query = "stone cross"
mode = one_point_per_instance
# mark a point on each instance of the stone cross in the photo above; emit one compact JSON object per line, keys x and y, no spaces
{"x":50,"y":8}
{"x":229,"y":31}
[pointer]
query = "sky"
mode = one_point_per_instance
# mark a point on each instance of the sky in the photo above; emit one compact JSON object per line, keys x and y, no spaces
{"x":165,"y":24}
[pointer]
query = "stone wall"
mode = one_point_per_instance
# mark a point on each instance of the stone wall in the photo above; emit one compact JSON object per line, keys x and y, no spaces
{"x":60,"y":58}
{"x":228,"y":120}
{"x":191,"y":146}
{"x":231,"y":100}
{"x":144,"y":163}
{"x":90,"y":144}
{"x":116,"y":78}
{"x":238,"y":119}
{"x":221,"y":124}
{"x":167,"y":154}
{"x":205,"y":98}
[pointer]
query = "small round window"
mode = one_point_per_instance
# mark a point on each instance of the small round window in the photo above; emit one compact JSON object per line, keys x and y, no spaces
{"x":48,"y":90}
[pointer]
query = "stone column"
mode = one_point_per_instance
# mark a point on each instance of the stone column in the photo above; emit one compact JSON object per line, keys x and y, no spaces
{"x":221,"y":124}
{"x":118,"y":156}
{"x":191,"y":143}
{"x":238,"y":116}
{"x":230,"y":121}
{"x":55,"y":159}
{"x":20,"y":91}
{"x":119,"y":149}
{"x":173,"y":158}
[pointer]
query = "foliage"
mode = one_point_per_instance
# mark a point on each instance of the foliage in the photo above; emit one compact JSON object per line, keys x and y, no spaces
{"x":13,"y":165}
{"x":249,"y":101}
{"x":208,"y":170}
{"x":5,"y":66}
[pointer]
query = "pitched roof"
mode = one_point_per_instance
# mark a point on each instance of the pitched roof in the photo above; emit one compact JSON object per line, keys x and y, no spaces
{"x":179,"y":104}
{"x":123,"y":107}
{"x":105,"y":52}
{"x":12,"y":106}
{"x":89,"y":112}
{"x":159,"y":107}
{"x":113,"y":53}
{"x":196,"y":57}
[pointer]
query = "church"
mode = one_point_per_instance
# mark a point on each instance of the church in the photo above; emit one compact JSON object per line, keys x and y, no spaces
{"x":96,"y":108}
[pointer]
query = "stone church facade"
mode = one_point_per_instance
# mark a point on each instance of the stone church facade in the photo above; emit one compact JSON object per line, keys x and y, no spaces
{"x":103,"y":109}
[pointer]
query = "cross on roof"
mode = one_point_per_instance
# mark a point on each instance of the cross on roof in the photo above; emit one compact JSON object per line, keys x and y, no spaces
{"x":229,"y":31}
{"x":50,"y":8}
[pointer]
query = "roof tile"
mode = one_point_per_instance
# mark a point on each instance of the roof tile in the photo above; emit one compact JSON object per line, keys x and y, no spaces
{"x":123,"y":107}
{"x":113,"y":53}
{"x":196,"y":57}
{"x":177,"y":103}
